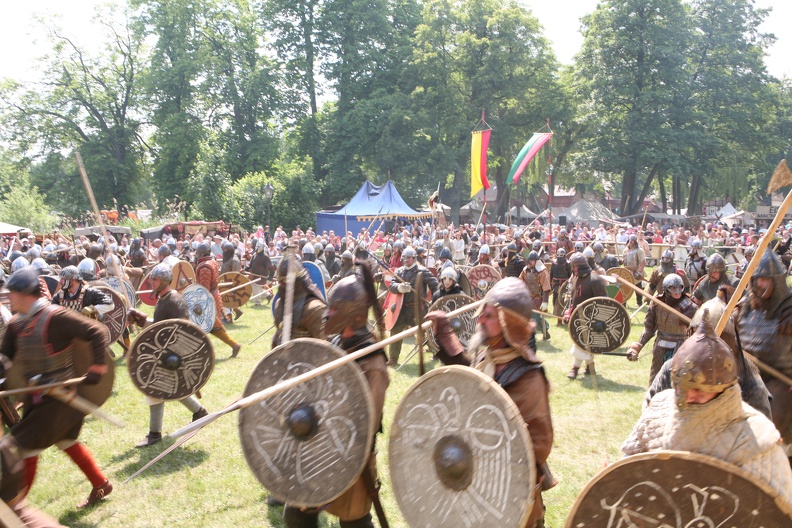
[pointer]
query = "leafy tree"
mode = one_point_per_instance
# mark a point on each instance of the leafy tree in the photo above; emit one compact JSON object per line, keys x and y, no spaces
{"x":24,"y":206}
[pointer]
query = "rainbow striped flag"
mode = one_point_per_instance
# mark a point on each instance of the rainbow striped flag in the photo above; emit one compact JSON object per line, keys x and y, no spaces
{"x":478,"y":161}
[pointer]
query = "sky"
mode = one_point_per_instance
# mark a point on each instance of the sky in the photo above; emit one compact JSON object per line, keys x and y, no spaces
{"x":22,"y":42}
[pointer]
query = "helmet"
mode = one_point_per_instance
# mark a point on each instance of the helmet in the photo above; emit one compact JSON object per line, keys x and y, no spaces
{"x":513,"y":301}
{"x":19,"y":263}
{"x":704,"y":362}
{"x":769,"y":265}
{"x":667,"y":256}
{"x":227,"y":246}
{"x":70,"y":273}
{"x":749,"y":251}
{"x":537,"y":245}
{"x":579,"y":264}
{"x":349,"y":300}
{"x":94,"y":251}
{"x":673,"y":282}
{"x":283,"y":269}
{"x":438,"y":244}
{"x":409,"y":252}
{"x":561,"y":252}
{"x":588,"y":253}
{"x":716,"y":263}
{"x":533,"y":255}
{"x":15,"y":254}
{"x":114,"y":265}
{"x":511,"y":248}
{"x":696,"y":244}
{"x":261,"y":244}
{"x":25,"y":281}
{"x":164,"y":251}
{"x":347,"y":255}
{"x":41,"y":266}
{"x":579,"y":246}
{"x":598,"y":247}
{"x":163,"y":272}
{"x":33,"y":253}
{"x":330,"y":249}
{"x":420,"y":250}
{"x":562,"y":233}
{"x":445,"y":253}
{"x":318,"y":248}
{"x":448,"y":273}
{"x":633,"y":238}
{"x":2,"y":277}
{"x":88,"y":268}
{"x":485,"y":250}
{"x":308,"y":249}
{"x":399,"y":245}
{"x":203,"y":250}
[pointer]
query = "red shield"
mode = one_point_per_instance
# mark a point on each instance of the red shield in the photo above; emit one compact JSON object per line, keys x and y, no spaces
{"x":148,"y":298}
{"x":392,"y":308}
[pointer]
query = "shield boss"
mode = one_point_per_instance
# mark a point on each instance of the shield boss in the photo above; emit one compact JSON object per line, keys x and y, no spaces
{"x":672,"y":488}
{"x":460,"y":454}
{"x":627,"y":275}
{"x":599,"y":325}
{"x":464,"y":325}
{"x":170,"y":360}
{"x":183,"y":276}
{"x":307,"y":445}
{"x":201,"y":306}
{"x":482,"y":278}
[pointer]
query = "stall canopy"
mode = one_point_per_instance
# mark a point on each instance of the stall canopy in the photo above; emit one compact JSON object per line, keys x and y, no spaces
{"x":372,"y":203}
{"x":580,"y":211}
{"x":10,"y":229}
{"x":94,"y":232}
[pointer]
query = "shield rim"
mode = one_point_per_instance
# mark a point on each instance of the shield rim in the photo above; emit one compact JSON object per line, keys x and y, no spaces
{"x":510,"y":408}
{"x":175,"y":281}
{"x":197,"y":286}
{"x":625,"y":274}
{"x":494,"y":272}
{"x":664,"y":455}
{"x":433,"y":346}
{"x":151,"y":329}
{"x":149,"y":299}
{"x":361,"y":377}
{"x":314,"y":273}
{"x":116,"y":298}
{"x":590,"y":301}
{"x":464,"y":284}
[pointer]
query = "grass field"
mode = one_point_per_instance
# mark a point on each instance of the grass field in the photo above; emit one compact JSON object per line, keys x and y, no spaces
{"x":206,"y":482}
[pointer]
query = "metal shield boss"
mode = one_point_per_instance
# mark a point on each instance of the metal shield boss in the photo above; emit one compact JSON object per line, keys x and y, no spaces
{"x":460,"y":454}
{"x":114,"y":320}
{"x":674,"y":488}
{"x":627,"y":275}
{"x":307,"y":445}
{"x":392,"y":308}
{"x":170,"y":360}
{"x":599,"y":325}
{"x":482,"y":278}
{"x":464,"y":325}
{"x":240,"y":295}
{"x":183,"y":276}
{"x":202,"y":309}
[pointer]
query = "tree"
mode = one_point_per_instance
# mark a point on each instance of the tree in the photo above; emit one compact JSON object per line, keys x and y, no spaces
{"x":24,"y":206}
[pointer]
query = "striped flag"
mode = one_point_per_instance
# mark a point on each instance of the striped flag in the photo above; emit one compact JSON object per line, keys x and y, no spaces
{"x":527,"y":153}
{"x":478,"y":161}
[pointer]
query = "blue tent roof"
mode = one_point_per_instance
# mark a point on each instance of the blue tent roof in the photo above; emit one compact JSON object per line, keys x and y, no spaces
{"x":381,"y":202}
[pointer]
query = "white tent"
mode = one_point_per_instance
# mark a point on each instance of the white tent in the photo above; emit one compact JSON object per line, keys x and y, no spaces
{"x":10,"y":229}
{"x":580,"y":211}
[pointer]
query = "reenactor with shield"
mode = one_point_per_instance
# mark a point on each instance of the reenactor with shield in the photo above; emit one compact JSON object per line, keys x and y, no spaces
{"x":666,"y":267}
{"x":448,"y":283}
{"x":537,"y":278}
{"x":635,"y":261}
{"x":308,"y":304}
{"x":670,"y":329}
{"x":207,"y":273}
{"x":39,"y":342}
{"x":696,"y":262}
{"x":77,"y":295}
{"x":716,"y":279}
{"x":505,"y":326}
{"x":586,"y":286}
{"x":170,"y":305}
{"x":560,"y":272}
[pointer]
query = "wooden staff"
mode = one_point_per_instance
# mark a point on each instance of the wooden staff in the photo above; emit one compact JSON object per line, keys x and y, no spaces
{"x":285,"y":385}
{"x":91,"y":197}
{"x":419,"y":337}
{"x":546,"y":314}
{"x":288,"y":307}
{"x":39,"y":388}
{"x":759,"y":363}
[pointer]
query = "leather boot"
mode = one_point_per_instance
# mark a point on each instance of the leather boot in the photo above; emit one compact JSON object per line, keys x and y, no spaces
{"x":200,"y":414}
{"x":97,"y":494}
{"x":590,"y":370}
{"x":572,"y":374}
{"x":151,"y":439}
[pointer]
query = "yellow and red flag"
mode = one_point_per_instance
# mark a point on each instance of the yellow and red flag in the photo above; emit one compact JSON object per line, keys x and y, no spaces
{"x":478,"y":161}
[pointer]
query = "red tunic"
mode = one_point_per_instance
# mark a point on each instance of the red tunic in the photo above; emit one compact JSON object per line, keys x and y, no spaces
{"x":207,"y":273}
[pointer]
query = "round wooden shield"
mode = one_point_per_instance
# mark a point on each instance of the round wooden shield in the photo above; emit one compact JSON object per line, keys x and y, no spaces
{"x":564,"y":296}
{"x":460,"y":453}
{"x":392,"y":307}
{"x":309,"y":444}
{"x":52,"y":283}
{"x":676,"y":489}
{"x":464,"y":325}
{"x":122,"y":287}
{"x":315,"y":274}
{"x":464,"y":284}
{"x":239,"y":296}
{"x":599,"y":325}
{"x":170,"y":360}
{"x":145,"y":294}
{"x":627,"y":275}
{"x":114,"y":320}
{"x":183,"y":276}
{"x":201,"y":305}
{"x":482,"y":278}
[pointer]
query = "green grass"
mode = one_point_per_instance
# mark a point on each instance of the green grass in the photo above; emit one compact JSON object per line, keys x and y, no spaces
{"x":206,"y":482}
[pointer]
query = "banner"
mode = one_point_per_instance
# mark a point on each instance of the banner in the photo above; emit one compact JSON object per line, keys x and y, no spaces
{"x":528,"y":152}
{"x":478,"y":161}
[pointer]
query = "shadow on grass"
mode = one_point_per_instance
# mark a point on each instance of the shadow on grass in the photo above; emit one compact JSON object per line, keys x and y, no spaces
{"x":411,"y":369}
{"x":175,"y":461}
{"x":604,"y":384}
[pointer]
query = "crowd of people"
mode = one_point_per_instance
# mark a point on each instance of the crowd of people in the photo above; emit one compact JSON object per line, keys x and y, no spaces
{"x":705,"y":395}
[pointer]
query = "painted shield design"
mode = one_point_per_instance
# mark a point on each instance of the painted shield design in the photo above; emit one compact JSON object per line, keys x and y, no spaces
{"x":201,"y":306}
{"x":627,"y":275}
{"x":392,"y":307}
{"x":673,"y":488}
{"x":145,"y":294}
{"x":122,"y":287}
{"x":482,"y":278}
{"x":170,"y":360}
{"x":464,"y":325}
{"x":307,"y":445}
{"x":599,"y":325}
{"x":460,"y":454}
{"x":183,"y":276}
{"x":315,"y":274}
{"x":242,"y":289}
{"x":115,"y":319}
